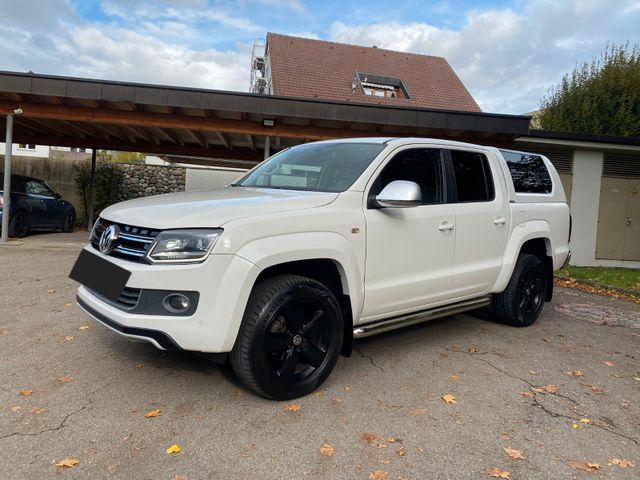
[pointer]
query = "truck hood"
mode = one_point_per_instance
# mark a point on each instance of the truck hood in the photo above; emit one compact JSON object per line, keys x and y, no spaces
{"x":211,"y":208}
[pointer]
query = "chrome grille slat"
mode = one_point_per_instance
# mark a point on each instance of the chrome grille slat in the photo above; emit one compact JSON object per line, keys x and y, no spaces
{"x":133,"y":241}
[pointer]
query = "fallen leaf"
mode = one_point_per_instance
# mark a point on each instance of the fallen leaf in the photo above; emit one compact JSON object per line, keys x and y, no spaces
{"x":83,"y":327}
{"x":38,"y":410}
{"x":327,"y":450}
{"x":140,"y":365}
{"x":67,"y":463}
{"x":497,"y":473}
{"x":152,"y":413}
{"x":546,"y":389}
{"x":574,"y":373}
{"x":65,"y":379}
{"x":585,"y":466}
{"x":25,"y":393}
{"x":586,"y":421}
{"x":473,"y":349}
{"x":533,"y":372}
{"x":292,"y":408}
{"x":175,"y":448}
{"x":547,"y":339}
{"x":393,"y":440}
{"x":180,"y":477}
{"x":575,"y":426}
{"x":449,"y":398}
{"x":621,"y":462}
{"x":526,"y":394}
{"x":513,"y":453}
{"x":401,"y":452}
{"x":16,"y":408}
{"x":346,"y":389}
{"x":370,"y":438}
{"x":454,"y":377}
{"x":597,"y":389}
{"x":378,"y":475}
{"x":51,"y":290}
{"x":68,"y":338}
{"x":319,"y":393}
{"x":418,"y":412}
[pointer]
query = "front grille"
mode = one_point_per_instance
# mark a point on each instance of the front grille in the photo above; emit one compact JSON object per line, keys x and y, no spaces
{"x":128,"y":298}
{"x":132,"y":244}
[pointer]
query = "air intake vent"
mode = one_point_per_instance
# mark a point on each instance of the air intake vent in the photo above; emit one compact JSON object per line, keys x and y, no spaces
{"x":621,"y":166}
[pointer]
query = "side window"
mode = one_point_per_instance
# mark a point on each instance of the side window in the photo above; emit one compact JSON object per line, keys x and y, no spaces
{"x":37,"y":188}
{"x":529,"y":173}
{"x":420,"y":165}
{"x":473,"y":176}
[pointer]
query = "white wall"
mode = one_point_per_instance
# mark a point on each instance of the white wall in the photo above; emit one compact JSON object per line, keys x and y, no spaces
{"x":585,"y":201}
{"x":41,"y":151}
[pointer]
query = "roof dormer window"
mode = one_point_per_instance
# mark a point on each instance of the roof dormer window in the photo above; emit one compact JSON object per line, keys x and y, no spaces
{"x":381,"y":86}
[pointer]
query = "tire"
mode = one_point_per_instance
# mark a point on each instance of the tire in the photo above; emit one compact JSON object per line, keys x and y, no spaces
{"x":19,"y":225}
{"x":521,"y":302}
{"x":290,"y":337}
{"x":69,"y":222}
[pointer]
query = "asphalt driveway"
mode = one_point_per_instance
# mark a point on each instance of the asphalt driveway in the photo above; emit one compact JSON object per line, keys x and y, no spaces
{"x":564,"y":392}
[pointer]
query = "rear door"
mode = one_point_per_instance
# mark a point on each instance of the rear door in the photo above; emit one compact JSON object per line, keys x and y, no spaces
{"x":482,"y":221}
{"x":409,"y":250}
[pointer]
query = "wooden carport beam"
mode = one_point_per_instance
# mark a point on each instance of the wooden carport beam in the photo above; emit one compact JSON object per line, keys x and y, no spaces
{"x":146,"y":119}
{"x":252,"y":144}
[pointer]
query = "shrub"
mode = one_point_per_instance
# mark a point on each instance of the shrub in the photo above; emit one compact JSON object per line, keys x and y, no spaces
{"x":109,"y":177}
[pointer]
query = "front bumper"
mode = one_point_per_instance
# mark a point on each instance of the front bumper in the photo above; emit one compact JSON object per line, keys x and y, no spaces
{"x":224,"y":283}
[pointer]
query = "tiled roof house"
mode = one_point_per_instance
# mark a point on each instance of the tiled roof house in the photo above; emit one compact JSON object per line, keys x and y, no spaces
{"x":306,"y":68}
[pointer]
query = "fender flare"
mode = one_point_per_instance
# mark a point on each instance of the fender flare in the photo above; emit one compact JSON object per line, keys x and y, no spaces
{"x":271,"y":251}
{"x":521,"y":233}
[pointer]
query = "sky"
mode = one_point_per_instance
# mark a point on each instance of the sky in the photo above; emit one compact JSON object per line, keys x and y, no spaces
{"x":508,"y":53}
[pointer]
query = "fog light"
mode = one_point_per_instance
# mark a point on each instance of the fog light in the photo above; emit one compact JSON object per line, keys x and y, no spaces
{"x":176,"y":303}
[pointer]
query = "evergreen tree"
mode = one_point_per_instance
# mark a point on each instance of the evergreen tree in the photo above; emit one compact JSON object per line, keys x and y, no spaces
{"x":601,"y":97}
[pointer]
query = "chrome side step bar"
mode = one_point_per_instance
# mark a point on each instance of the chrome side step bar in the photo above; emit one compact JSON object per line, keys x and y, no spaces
{"x":387,"y":324}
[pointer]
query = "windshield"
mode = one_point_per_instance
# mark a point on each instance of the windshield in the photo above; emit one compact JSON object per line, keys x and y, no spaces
{"x":322,"y":167}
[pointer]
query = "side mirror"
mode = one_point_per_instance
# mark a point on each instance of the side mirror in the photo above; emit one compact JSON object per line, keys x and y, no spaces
{"x":400,"y":193}
{"x":57,"y":196}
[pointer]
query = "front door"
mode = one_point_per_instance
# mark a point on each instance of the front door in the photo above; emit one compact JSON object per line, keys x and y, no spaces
{"x":409,"y":250}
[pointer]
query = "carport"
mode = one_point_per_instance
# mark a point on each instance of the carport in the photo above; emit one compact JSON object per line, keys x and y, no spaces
{"x":235,"y":128}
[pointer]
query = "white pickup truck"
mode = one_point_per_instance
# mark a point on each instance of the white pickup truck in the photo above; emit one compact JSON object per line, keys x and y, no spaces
{"x":325,"y":243}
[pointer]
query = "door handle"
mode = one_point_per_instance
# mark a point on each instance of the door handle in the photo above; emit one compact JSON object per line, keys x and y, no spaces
{"x":446,"y":226}
{"x":628,"y":221}
{"x":499,"y":221}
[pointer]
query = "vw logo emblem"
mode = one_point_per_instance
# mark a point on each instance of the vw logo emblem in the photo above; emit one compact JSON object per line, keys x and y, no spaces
{"x":108,"y":238}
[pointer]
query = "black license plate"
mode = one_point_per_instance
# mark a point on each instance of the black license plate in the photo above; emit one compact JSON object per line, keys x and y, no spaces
{"x":99,"y":275}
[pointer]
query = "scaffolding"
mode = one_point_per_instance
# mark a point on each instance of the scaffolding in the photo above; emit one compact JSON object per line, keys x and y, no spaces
{"x":259,"y":81}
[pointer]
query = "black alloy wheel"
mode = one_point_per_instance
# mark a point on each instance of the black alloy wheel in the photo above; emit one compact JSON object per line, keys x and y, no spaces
{"x":522,"y":300}
{"x":531,"y":293}
{"x":19,"y":224}
{"x":297,"y":340}
{"x":290,"y":337}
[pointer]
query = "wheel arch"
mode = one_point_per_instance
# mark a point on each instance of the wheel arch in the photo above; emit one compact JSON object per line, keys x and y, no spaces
{"x":532,"y":238}
{"x":331,"y":274}
{"x":323,"y":256}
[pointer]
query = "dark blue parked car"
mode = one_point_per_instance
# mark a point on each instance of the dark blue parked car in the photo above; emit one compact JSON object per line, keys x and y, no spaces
{"x":35,"y":206}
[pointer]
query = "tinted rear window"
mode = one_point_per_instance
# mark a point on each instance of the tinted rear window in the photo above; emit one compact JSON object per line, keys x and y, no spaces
{"x":528,"y":171}
{"x":473,"y":176}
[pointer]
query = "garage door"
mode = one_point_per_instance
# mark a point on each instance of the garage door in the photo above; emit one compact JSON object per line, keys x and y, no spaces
{"x":619,"y":214}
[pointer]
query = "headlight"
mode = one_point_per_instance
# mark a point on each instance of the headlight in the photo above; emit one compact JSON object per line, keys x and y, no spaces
{"x":182,"y":246}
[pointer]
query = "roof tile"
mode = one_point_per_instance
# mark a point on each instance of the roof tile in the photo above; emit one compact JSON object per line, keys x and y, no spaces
{"x":307,"y":68}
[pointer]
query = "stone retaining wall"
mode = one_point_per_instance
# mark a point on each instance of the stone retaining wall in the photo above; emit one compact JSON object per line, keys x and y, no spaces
{"x":142,"y":180}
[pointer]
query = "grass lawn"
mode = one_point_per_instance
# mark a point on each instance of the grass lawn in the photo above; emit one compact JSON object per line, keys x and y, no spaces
{"x":625,"y":278}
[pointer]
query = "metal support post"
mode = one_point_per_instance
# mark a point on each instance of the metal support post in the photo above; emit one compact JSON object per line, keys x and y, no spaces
{"x":7,"y":180}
